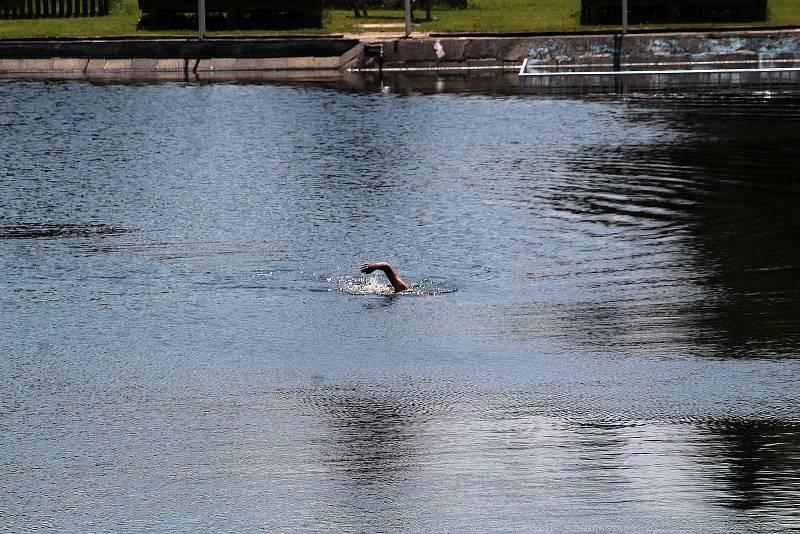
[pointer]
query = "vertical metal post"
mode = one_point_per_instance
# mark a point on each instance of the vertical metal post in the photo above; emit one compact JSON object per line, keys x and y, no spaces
{"x":201,"y":19}
{"x":624,"y":16}
{"x":408,"y":18}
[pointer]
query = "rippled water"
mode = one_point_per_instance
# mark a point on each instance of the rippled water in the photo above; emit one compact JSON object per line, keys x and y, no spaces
{"x":608,"y":338}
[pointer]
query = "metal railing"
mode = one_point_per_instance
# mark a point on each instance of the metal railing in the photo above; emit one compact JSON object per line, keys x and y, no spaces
{"x":34,"y":9}
{"x":654,"y":78}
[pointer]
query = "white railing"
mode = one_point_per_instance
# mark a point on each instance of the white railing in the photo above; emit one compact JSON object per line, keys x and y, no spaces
{"x":524,"y":73}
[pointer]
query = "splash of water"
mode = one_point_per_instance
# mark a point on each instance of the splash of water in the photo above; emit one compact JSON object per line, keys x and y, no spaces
{"x":373,"y":285}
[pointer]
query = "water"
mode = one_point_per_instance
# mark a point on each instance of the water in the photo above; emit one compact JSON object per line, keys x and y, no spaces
{"x":606,"y":338}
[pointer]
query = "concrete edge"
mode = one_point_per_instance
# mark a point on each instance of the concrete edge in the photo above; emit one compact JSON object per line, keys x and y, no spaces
{"x":351,"y":57}
{"x":134,"y":65}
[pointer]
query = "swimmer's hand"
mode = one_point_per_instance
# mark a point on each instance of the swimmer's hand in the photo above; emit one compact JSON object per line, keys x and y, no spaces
{"x":397,"y":283}
{"x":369,"y":267}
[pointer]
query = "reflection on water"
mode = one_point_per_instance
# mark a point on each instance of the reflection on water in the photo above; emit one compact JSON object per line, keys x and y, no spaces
{"x":752,"y":450}
{"x":36,"y":230}
{"x":738,"y":214}
{"x":610,"y":342}
{"x":373,"y":434}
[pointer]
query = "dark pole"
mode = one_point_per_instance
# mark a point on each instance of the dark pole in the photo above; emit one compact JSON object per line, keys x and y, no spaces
{"x":201,"y":19}
{"x":624,"y":16}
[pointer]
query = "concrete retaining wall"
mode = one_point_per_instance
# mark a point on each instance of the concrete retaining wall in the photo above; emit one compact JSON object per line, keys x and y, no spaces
{"x":326,"y":54}
{"x":585,"y":49}
{"x":166,"y":57}
{"x":175,"y":48}
{"x":166,"y":65}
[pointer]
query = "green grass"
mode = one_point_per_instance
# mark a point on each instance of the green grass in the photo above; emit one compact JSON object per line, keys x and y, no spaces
{"x":481,"y":16}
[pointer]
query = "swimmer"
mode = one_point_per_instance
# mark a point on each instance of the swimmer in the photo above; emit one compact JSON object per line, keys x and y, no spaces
{"x":394,"y":278}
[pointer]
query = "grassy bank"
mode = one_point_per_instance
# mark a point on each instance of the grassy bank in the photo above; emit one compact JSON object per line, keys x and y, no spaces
{"x":481,"y":16}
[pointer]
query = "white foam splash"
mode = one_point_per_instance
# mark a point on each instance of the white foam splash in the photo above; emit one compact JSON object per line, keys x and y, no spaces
{"x":370,"y":285}
{"x":361,"y":285}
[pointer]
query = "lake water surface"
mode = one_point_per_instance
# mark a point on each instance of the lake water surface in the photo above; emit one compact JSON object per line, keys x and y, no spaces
{"x":610,"y":339}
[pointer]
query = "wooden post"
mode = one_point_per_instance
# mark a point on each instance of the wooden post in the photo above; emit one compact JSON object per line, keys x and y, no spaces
{"x":624,"y":16}
{"x":201,"y":19}
{"x":408,"y":18}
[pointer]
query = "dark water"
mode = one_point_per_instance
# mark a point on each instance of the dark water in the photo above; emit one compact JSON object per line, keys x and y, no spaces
{"x":610,"y":344}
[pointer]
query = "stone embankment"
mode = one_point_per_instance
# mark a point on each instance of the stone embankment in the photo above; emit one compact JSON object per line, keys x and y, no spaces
{"x":332,"y":54}
{"x":436,"y":52}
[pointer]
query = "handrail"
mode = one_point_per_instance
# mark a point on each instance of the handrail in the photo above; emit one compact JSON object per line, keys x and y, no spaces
{"x":652,"y":72}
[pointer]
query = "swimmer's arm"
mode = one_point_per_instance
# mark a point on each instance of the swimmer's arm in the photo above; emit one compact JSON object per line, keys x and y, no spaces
{"x":397,"y":283}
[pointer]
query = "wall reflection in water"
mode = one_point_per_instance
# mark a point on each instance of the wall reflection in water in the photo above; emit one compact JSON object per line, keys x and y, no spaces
{"x":373,"y":439}
{"x":761,"y":460}
{"x":735,"y":214}
{"x":458,"y":466}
